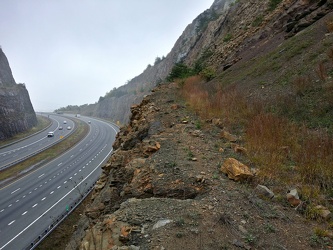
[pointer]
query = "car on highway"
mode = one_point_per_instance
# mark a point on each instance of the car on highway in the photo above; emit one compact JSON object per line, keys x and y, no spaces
{"x":50,"y":134}
{"x":89,"y":122}
{"x":60,"y":128}
{"x":65,"y":122}
{"x":69,"y":128}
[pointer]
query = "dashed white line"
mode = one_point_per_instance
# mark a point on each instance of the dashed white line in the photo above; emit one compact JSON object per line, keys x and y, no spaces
{"x":15,"y":190}
{"x":30,"y":192}
{"x":40,"y":175}
{"x":11,"y":222}
{"x":35,"y":189}
{"x":17,"y":201}
{"x":52,"y":192}
{"x":10,"y":205}
{"x":40,"y":185}
{"x":58,"y":187}
{"x":72,"y":156}
{"x":35,"y":205}
{"x":79,"y":170}
{"x":23,"y":196}
{"x":25,"y":212}
{"x":75,"y":174}
{"x":44,"y":198}
{"x":59,"y":164}
{"x":65,"y":182}
{"x":2,"y":210}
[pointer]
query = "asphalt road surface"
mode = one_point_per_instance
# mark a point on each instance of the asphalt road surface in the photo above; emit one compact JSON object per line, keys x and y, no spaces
{"x":32,"y":204}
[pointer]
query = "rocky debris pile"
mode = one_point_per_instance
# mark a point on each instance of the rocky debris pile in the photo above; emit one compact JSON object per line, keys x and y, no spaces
{"x":163,"y":188}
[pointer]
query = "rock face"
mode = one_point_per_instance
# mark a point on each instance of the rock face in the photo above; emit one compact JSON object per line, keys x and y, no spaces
{"x":16,"y":111}
{"x":221,"y":35}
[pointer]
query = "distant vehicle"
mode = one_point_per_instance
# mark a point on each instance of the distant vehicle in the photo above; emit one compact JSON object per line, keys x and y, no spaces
{"x":69,"y":128}
{"x":60,"y":128}
{"x":89,"y":122}
{"x":78,"y":115}
{"x":50,"y":134}
{"x":65,"y":122}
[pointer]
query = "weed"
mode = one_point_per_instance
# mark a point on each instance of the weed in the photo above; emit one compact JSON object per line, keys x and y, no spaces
{"x":198,"y":125}
{"x":273,"y":4}
{"x":215,"y":176}
{"x":179,"y":234}
{"x":258,"y":21}
{"x":249,"y":238}
{"x":312,"y":213}
{"x":180,"y":222}
{"x":227,"y":37}
{"x":269,"y":228}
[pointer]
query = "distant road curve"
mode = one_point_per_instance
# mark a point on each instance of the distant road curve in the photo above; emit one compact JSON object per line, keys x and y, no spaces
{"x":32,"y":145}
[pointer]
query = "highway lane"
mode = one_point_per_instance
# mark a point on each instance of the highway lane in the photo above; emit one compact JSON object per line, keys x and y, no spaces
{"x":22,"y":149}
{"x":34,"y":202}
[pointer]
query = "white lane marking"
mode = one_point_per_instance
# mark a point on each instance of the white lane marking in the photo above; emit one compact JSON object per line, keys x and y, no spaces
{"x":17,"y":200}
{"x":30,"y":192}
{"x":11,"y":222}
{"x":60,"y":164}
{"x":56,"y":202}
{"x":15,"y":190}
{"x":52,"y":192}
{"x":2,"y":210}
{"x":70,"y":178}
{"x":65,"y":182}
{"x":25,"y":212}
{"x":10,"y":205}
{"x":23,"y":196}
{"x":34,"y":205}
{"x":58,"y":187}
{"x":40,"y":185}
{"x":35,"y":189}
{"x":75,"y":174}
{"x":84,"y":166}
{"x":72,"y":156}
{"x":40,"y":175}
{"x":44,"y":198}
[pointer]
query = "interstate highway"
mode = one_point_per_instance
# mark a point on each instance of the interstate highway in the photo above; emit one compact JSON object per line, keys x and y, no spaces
{"x":19,"y":151}
{"x":32,"y":203}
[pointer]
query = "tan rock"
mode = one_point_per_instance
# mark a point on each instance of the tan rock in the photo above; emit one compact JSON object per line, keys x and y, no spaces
{"x":226,"y":135}
{"x":174,"y":106}
{"x":324,"y":212}
{"x":236,"y":170}
{"x":240,"y":150}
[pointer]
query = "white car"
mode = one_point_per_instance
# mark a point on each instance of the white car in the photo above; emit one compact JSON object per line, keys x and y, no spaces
{"x":69,"y":128}
{"x":65,"y":122}
{"x":50,"y":134}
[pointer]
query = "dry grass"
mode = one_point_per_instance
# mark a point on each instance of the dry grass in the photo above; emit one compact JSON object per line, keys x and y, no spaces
{"x":285,"y":153}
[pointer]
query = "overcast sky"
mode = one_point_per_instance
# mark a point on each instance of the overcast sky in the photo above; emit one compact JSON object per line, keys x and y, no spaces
{"x":71,"y":52}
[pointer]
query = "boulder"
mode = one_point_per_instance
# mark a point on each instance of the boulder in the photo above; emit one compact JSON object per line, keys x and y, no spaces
{"x":263,"y":192}
{"x":293,"y":198}
{"x":236,"y":170}
{"x":230,"y":137}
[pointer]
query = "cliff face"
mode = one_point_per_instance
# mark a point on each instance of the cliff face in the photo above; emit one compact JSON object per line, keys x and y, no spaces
{"x":16,"y":111}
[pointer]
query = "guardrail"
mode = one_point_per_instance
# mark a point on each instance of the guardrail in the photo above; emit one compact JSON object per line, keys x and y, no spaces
{"x":36,"y":152}
{"x":47,"y":230}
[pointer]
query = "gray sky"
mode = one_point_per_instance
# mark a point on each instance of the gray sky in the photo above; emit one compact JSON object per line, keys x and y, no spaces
{"x":74,"y":51}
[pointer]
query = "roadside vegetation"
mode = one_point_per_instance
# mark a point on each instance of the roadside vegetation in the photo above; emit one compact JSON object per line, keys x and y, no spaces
{"x":47,"y":155}
{"x":281,"y":107}
{"x":42,"y":123}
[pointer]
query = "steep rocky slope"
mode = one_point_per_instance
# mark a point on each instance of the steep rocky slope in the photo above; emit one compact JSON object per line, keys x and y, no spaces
{"x":16,"y":111}
{"x":164,"y":188}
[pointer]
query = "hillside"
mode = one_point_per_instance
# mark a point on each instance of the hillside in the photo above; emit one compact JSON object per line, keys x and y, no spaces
{"x":16,"y":111}
{"x":235,"y":152}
